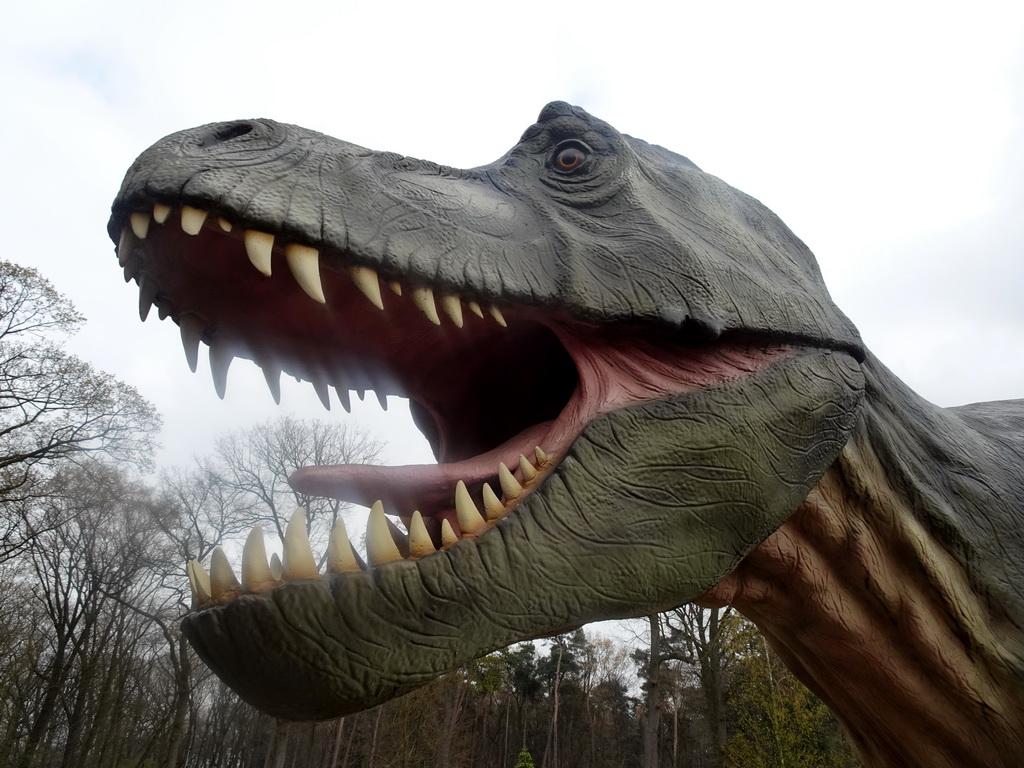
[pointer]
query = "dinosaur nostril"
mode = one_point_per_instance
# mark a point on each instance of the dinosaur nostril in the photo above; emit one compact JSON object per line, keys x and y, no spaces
{"x":219,"y":134}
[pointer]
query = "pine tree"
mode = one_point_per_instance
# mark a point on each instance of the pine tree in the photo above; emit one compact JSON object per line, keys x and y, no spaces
{"x":525,"y":759}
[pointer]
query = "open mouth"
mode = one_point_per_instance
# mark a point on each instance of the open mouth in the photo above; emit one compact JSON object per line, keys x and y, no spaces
{"x":500,"y":390}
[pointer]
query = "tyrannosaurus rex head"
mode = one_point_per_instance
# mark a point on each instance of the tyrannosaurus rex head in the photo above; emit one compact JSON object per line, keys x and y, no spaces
{"x":630,"y":374}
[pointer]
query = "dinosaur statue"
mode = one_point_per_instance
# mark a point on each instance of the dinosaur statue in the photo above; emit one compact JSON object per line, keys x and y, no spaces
{"x":639,"y":393}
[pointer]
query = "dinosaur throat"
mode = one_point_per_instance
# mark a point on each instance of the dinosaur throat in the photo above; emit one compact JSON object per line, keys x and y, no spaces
{"x":501,"y":390}
{"x":876,"y":617}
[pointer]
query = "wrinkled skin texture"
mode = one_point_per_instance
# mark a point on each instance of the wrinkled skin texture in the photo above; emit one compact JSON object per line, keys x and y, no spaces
{"x":713,"y":428}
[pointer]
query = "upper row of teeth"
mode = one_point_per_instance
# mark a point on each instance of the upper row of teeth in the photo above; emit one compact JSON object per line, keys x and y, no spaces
{"x":385,"y":542}
{"x":304,"y":263}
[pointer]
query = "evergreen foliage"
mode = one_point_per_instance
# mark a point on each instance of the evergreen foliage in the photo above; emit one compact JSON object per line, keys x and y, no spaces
{"x":524,"y":760}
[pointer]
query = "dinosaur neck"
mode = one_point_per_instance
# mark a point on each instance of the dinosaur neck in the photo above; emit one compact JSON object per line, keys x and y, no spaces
{"x":867,"y":594}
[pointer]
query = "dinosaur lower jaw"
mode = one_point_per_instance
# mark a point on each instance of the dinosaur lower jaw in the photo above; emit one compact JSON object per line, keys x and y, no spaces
{"x":606,"y":533}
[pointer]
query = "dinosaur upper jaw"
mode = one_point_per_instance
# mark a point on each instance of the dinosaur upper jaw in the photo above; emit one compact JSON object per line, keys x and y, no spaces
{"x":490,"y":383}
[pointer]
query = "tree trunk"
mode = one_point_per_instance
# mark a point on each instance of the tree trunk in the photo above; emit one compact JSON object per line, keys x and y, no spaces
{"x":278,"y":747}
{"x":105,"y":710}
{"x":773,"y":706}
{"x":712,"y":687}
{"x":339,"y":729}
{"x":182,"y":681}
{"x":504,"y":737}
{"x":348,"y":744}
{"x":652,"y":689}
{"x":372,"y":757}
{"x":675,"y":736}
{"x":54,"y":684}
{"x":76,"y":718}
{"x":551,"y":749}
{"x":444,"y":744}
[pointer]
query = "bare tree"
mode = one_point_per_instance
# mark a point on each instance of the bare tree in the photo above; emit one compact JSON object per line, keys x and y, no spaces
{"x":700,"y":637}
{"x":96,"y":552}
{"x":195,"y":514}
{"x":688,"y":643}
{"x":254,"y":465}
{"x":654,"y":692}
{"x":53,"y":406}
{"x":217,"y":500}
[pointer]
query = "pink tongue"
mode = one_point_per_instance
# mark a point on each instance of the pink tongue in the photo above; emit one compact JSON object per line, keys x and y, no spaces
{"x":429,"y":488}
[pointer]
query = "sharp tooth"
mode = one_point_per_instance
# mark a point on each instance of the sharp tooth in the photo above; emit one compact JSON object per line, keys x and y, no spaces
{"x":125,"y":244}
{"x":224,"y":224}
{"x":199,"y":580}
{"x":276,"y":569}
{"x":343,"y":398}
{"x":526,"y":469}
{"x":140,"y":224}
{"x":360,"y":393}
{"x":304,"y":262}
{"x":162,"y":312}
{"x":400,"y":537}
{"x":423,"y":298}
{"x":420,"y":544}
{"x":509,"y":485}
{"x":223,"y":584}
{"x":161,"y":212}
{"x":272,"y":375}
{"x":259,"y":246}
{"x":493,"y":508}
{"x":320,"y":387}
{"x":496,"y":314}
{"x":367,"y":282}
{"x":191,"y":327}
{"x":220,"y":361}
{"x":448,"y":536}
{"x":192,"y":219}
{"x":542,"y":458}
{"x":256,"y":576}
{"x":298,"y":562}
{"x":341,"y":557}
{"x":470,"y":519}
{"x":453,"y":308}
{"x":147,"y":294}
{"x":474,"y":307}
{"x":382,"y":399}
{"x":396,"y":287}
{"x":380,"y":545}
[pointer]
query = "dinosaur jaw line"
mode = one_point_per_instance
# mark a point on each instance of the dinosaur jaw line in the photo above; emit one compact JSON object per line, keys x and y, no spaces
{"x":526,"y":384}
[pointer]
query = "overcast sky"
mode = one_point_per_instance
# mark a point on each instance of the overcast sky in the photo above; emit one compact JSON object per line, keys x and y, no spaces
{"x":887,"y":135}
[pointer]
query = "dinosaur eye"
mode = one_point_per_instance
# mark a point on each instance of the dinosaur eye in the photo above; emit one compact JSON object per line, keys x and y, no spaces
{"x":570,"y":157}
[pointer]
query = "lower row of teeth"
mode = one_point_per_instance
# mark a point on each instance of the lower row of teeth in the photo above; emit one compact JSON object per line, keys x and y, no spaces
{"x":303,"y":262}
{"x":385,"y":542}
